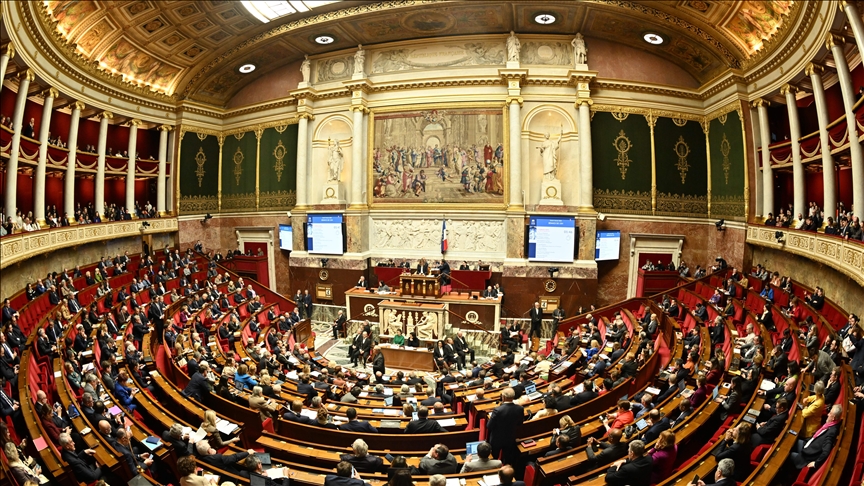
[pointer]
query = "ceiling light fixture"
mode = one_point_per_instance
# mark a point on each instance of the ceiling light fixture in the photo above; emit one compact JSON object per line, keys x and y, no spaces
{"x":325,"y":39}
{"x":654,"y":39}
{"x":246,"y":68}
{"x":545,"y":19}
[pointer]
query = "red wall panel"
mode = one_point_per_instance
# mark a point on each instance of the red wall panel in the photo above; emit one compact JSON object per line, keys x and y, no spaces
{"x":54,"y":193}
{"x":844,"y":187}
{"x":815,"y":189}
{"x":60,"y":125}
{"x":834,"y":102}
{"x":85,"y":191}
{"x":118,"y":138}
{"x":115,"y":191}
{"x":784,"y":191}
{"x":33,"y":110}
{"x":88,"y":133}
{"x":25,"y":193}
{"x":7,"y":102}
{"x":148,"y":143}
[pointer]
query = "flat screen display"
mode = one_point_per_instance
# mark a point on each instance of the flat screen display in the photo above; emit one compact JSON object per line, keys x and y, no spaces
{"x":551,"y":239}
{"x":286,"y":237}
{"x":608,"y":245}
{"x":324,"y":234}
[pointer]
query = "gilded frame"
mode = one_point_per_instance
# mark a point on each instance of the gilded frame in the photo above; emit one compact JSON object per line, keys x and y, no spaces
{"x":370,"y":147}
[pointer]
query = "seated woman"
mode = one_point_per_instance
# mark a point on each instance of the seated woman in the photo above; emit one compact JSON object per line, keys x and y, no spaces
{"x":242,"y":379}
{"x":736,"y":446}
{"x":549,"y":404}
{"x":664,"y":453}
{"x":412,"y":340}
{"x":324,"y":420}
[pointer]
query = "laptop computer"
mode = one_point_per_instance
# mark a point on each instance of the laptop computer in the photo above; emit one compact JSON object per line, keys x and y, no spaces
{"x":641,"y":425}
{"x":682,"y":384}
{"x":531,"y":392}
{"x":514,"y":382}
{"x":264,"y":458}
{"x":259,"y":480}
{"x":715,"y":392}
{"x":388,"y":401}
{"x":471,"y":447}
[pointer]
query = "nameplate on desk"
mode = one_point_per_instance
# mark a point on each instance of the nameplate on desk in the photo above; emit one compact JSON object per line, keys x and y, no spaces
{"x":58,"y":374}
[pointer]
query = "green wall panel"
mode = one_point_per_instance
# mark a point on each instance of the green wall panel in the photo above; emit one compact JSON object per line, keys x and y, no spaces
{"x":727,"y":166}
{"x":278,"y":176}
{"x":238,"y":172}
{"x":622,"y":163}
{"x":682,"y":168}
{"x":199,"y":173}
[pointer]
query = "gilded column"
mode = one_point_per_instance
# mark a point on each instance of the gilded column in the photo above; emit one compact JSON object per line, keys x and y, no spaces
{"x":767,"y":173}
{"x":358,"y":165}
{"x":17,"y":125}
{"x":71,"y":159}
{"x":798,"y":184}
{"x":515,"y":132}
{"x":130,"y":167}
{"x":829,"y":203}
{"x":706,"y":128}
{"x":586,"y":169}
{"x":100,"y":161}
{"x":48,"y":97}
{"x":160,"y":180}
{"x":302,"y":156}
{"x":835,"y":43}
{"x":4,"y":62}
{"x":651,"y":118}
{"x":258,"y":133}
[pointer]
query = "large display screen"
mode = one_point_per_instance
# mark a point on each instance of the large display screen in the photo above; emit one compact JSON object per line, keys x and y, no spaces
{"x":286,"y":237}
{"x":608,"y":245}
{"x":324,"y":234}
{"x":551,"y":239}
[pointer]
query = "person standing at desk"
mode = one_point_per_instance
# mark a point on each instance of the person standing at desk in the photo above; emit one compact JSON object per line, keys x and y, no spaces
{"x":422,"y":267}
{"x":502,"y":427}
{"x":307,"y":304}
{"x":378,"y":361}
{"x":444,"y":271}
{"x":558,"y":315}
{"x":536,"y":320}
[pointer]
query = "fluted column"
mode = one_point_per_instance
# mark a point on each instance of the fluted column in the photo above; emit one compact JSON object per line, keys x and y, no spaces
{"x":302,"y":155}
{"x":100,"y":161}
{"x":4,"y":63}
{"x":798,"y":183}
{"x":17,"y":125}
{"x":130,"y":166}
{"x":586,"y":170}
{"x":829,"y":203}
{"x":160,"y":180}
{"x":835,"y":43}
{"x":39,"y":180}
{"x":357,"y":159}
{"x":69,"y":183}
{"x":767,"y":173}
{"x":516,"y":199}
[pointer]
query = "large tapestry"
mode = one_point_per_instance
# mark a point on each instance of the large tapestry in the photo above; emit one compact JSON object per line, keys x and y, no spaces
{"x":438,"y":155}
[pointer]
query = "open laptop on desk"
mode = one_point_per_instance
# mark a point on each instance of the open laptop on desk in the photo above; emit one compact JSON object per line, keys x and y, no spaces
{"x":531,"y":392}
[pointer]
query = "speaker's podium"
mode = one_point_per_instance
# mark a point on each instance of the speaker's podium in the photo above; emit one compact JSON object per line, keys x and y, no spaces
{"x":420,"y":286}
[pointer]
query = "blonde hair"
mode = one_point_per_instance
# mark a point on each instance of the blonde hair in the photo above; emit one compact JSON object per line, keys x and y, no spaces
{"x":565,"y":422}
{"x":209,"y":419}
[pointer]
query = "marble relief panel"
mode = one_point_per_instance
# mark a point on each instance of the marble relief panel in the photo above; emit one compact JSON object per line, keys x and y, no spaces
{"x":438,"y":56}
{"x":425,"y":234}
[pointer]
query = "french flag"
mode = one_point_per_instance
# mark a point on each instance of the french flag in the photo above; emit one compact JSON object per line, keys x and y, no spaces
{"x":443,"y":235}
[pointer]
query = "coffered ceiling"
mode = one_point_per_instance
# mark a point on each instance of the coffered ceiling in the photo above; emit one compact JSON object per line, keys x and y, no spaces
{"x":193,"y":49}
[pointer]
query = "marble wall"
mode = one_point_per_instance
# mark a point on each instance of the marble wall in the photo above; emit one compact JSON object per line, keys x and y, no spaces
{"x":16,"y":277}
{"x":838,"y":287}
{"x":702,"y":244}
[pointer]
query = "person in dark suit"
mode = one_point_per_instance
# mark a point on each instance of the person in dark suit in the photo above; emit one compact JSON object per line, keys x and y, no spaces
{"x":378,"y":361}
{"x":305,"y":388}
{"x":502,"y":427}
{"x":361,"y":459}
{"x":423,"y":425}
{"x":362,"y":283}
{"x":536,"y":315}
{"x":307,"y":304}
{"x":816,"y":450}
{"x":633,"y":471}
{"x":658,"y":422}
{"x":293,"y":415}
{"x":422,"y":267}
{"x":223,"y":462}
{"x":723,"y":476}
{"x":339,"y":325}
{"x":609,"y":451}
{"x":81,"y":468}
{"x":156,"y":314}
{"x":199,"y":386}
{"x":345,"y":476}
{"x":462,"y":349}
{"x":506,"y":475}
{"x":354,"y":425}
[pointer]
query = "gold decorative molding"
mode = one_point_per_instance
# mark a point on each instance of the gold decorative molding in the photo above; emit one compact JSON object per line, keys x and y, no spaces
{"x":165,"y":128}
{"x":10,"y":51}
{"x":50,"y":93}
{"x":79,"y":106}
{"x":27,"y":74}
{"x":514,"y":99}
{"x":22,"y":246}
{"x":832,"y":39}
{"x":813,"y":68}
{"x":760,"y":103}
{"x":725,"y":149}
{"x":622,"y":145}
{"x":106,"y":114}
{"x":725,"y":110}
{"x":624,"y":202}
{"x":200,"y":160}
{"x":197,"y":204}
{"x":135,"y":122}
{"x":788,"y":88}
{"x":279,"y":153}
{"x":237,"y":158}
{"x":682,"y":150}
{"x":682,"y":205}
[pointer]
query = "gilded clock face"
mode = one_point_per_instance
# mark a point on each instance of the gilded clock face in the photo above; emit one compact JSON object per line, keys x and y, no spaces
{"x":550,"y":285}
{"x":323,"y":275}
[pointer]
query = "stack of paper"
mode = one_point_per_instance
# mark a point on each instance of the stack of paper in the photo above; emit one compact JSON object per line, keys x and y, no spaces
{"x":447,"y":422}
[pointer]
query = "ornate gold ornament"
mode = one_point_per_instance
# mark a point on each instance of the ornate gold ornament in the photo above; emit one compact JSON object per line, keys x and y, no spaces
{"x":201,"y":136}
{"x":279,"y":152}
{"x":682,"y":150}
{"x":238,"y":166}
{"x":472,"y":317}
{"x":622,"y":145}
{"x":200,"y":159}
{"x":280,"y":128}
{"x":725,"y":148}
{"x":722,"y":118}
{"x":323,"y":275}
{"x":550,"y":285}
{"x":680,"y":122}
{"x":552,"y":192}
{"x":620,"y":115}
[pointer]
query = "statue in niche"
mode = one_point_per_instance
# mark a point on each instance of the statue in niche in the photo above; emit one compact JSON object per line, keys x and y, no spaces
{"x":580,"y":52}
{"x":392,"y":324}
{"x":359,"y":60}
{"x":482,"y":122}
{"x":306,"y":69}
{"x":549,"y":154}
{"x":513,"y":47}
{"x":427,"y":325}
{"x":335,"y":161}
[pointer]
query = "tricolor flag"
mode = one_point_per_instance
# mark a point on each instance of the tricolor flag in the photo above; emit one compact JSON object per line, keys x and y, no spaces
{"x":443,"y":235}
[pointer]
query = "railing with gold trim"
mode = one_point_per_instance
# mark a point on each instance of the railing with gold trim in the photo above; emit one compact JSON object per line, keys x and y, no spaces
{"x":21,"y":246}
{"x":842,"y":255}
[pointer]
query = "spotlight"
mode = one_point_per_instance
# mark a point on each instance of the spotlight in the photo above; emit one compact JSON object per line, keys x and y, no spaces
{"x":324,"y":262}
{"x":601,"y":216}
{"x":778,"y":235}
{"x":552,"y":271}
{"x":719,"y":225}
{"x":208,"y":217}
{"x":145,"y":224}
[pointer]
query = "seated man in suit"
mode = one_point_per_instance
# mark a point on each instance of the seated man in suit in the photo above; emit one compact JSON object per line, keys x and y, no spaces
{"x":506,"y":475}
{"x":723,"y":476}
{"x":767,"y":431}
{"x":345,"y":475}
{"x":293,"y":415}
{"x":635,"y":470}
{"x":79,"y":462}
{"x":223,"y":462}
{"x":361,"y":459}
{"x":602,"y":453}
{"x":355,"y":425}
{"x":562,"y":443}
{"x":816,"y":450}
{"x":423,"y":425}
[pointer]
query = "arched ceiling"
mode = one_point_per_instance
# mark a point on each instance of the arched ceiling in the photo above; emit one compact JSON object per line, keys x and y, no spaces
{"x":192,"y":49}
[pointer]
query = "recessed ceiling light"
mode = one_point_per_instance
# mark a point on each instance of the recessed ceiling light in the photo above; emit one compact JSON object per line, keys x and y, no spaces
{"x":652,"y":38}
{"x":325,"y":39}
{"x":545,"y":19}
{"x":247,"y":68}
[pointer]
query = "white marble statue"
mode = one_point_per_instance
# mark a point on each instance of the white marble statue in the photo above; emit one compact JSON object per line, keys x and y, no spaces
{"x":580,"y":52}
{"x":513,"y":47}
{"x":359,"y":60}
{"x":427,"y":326}
{"x":549,"y":154}
{"x":393,"y":324}
{"x":335,"y":161}
{"x":306,"y":69}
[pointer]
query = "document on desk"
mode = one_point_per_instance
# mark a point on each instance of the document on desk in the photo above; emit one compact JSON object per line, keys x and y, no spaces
{"x":491,"y":480}
{"x":276,"y":472}
{"x":447,"y":422}
{"x":309,"y":413}
{"x":453,"y":482}
{"x":767,"y":385}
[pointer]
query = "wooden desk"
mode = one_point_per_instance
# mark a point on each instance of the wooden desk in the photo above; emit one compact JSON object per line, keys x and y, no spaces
{"x":408,"y":359}
{"x":420,"y":285}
